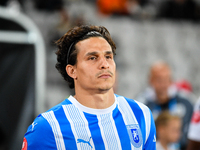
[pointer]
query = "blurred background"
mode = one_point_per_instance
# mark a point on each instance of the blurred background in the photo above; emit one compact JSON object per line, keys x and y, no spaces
{"x":144,"y":31}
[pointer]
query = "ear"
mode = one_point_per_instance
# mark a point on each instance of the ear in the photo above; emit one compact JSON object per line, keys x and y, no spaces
{"x":71,"y":71}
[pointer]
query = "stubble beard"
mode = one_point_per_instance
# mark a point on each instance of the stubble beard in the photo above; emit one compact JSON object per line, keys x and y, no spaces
{"x":105,"y":89}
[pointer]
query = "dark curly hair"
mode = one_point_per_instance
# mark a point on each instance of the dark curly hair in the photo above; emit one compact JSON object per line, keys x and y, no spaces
{"x":66,"y":52}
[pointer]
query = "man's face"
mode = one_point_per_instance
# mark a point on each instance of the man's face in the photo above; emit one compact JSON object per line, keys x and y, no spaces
{"x":160,"y":81}
{"x":95,"y":68}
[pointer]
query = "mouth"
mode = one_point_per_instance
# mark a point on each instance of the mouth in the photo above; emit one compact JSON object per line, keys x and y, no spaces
{"x":105,"y":76}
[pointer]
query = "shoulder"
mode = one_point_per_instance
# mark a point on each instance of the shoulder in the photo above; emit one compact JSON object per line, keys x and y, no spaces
{"x":134,"y":104}
{"x":53,"y":114}
{"x":39,"y":123}
{"x":143,"y":116}
{"x":38,"y":132}
{"x":184,"y":100}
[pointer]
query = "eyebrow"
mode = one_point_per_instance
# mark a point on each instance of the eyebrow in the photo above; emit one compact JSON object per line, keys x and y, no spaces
{"x":95,"y":53}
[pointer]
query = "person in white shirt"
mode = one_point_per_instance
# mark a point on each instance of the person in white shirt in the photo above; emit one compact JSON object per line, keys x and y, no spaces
{"x":194,"y":129}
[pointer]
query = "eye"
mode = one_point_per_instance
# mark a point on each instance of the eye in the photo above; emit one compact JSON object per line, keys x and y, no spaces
{"x":92,"y":58}
{"x":108,"y":57}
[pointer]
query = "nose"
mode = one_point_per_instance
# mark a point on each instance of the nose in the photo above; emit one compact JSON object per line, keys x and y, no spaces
{"x":104,"y":63}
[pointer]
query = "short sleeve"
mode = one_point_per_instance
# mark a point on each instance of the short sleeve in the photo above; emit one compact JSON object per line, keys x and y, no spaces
{"x":39,"y":136}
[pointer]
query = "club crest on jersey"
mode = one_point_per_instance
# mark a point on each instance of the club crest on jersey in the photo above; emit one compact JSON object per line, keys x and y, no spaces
{"x":135,"y":135}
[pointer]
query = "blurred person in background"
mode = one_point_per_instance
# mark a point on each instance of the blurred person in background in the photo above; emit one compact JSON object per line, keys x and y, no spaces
{"x":187,"y":10}
{"x":161,"y":95}
{"x":194,"y":129}
{"x":168,"y":131}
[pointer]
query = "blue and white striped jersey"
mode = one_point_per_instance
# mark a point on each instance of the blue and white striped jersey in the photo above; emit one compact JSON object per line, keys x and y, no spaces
{"x":126,"y":125}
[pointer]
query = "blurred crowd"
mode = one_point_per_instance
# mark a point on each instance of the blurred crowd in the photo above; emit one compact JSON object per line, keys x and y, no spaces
{"x":137,"y":9}
{"x":148,"y":9}
{"x":176,"y":10}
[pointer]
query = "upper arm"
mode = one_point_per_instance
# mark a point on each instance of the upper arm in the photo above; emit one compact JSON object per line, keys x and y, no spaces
{"x":39,"y":135}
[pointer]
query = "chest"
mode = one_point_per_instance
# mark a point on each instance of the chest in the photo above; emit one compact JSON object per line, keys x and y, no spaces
{"x":116,"y":130}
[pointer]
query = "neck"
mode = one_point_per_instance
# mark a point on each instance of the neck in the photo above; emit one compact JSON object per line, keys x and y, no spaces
{"x":99,"y":100}
{"x":162,"y":99}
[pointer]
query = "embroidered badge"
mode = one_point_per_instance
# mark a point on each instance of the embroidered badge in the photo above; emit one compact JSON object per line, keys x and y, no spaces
{"x":135,"y":135}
